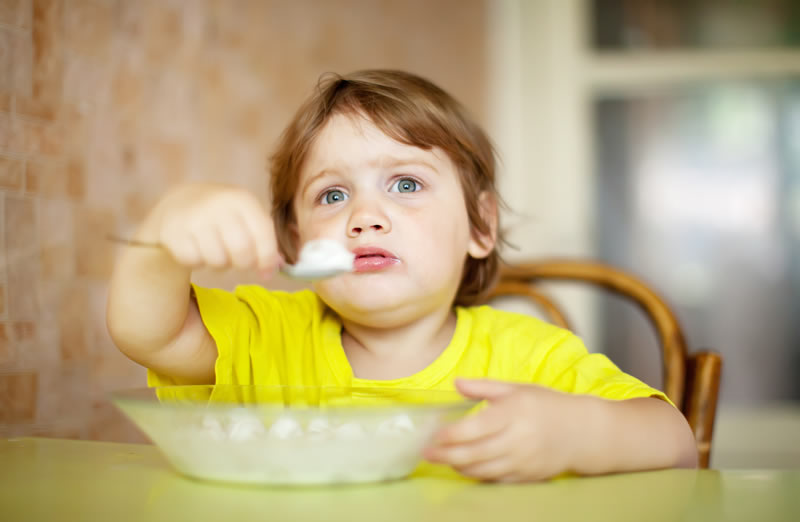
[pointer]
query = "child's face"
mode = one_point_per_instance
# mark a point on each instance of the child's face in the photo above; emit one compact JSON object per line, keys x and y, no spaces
{"x":403,"y":203}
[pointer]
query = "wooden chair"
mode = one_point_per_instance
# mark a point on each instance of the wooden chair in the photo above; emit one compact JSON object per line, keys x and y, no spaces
{"x":691,"y":381}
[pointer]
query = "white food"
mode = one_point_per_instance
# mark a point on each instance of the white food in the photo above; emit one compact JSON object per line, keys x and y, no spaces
{"x":244,"y":426}
{"x":324,"y":255}
{"x":396,"y":426}
{"x":239,"y":446}
{"x":351,"y":431}
{"x":286,"y":428}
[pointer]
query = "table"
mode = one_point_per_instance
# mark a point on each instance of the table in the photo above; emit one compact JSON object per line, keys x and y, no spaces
{"x":66,"y":480}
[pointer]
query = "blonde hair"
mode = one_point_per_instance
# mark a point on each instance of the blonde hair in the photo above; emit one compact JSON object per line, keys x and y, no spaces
{"x":411,"y":110}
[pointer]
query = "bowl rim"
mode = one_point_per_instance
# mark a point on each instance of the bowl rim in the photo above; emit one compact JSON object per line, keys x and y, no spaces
{"x":146,"y":396}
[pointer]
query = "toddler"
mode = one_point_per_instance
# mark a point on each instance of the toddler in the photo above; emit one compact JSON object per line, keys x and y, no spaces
{"x":391,"y":166}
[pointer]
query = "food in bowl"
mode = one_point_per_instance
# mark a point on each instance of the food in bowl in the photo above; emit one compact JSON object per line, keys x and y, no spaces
{"x":291,"y":435}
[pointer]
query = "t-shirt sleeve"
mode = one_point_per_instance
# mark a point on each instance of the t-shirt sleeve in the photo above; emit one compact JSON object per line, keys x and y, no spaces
{"x":248,"y":327}
{"x":231,"y":323}
{"x":567,"y":366}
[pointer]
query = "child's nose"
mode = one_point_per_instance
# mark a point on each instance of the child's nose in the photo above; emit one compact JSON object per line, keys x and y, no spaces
{"x":366,"y":218}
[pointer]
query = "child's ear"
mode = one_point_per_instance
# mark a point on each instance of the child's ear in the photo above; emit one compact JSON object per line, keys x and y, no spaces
{"x":482,"y":244}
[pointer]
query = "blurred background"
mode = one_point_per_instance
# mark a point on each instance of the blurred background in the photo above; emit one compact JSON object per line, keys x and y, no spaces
{"x":660,"y":136}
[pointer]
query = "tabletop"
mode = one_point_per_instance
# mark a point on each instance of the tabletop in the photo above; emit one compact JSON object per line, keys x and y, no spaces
{"x":65,"y":480}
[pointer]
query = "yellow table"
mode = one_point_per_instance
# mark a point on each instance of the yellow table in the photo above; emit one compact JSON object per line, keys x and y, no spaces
{"x":63,"y":480}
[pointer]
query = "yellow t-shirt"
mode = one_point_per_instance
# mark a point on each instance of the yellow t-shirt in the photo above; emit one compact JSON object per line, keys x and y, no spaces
{"x":276,"y":338}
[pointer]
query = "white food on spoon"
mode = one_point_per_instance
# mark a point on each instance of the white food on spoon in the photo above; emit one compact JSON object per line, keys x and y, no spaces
{"x":321,"y":258}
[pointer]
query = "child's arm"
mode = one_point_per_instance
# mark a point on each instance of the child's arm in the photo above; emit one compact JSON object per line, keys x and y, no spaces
{"x":532,"y":433}
{"x":150,"y":314}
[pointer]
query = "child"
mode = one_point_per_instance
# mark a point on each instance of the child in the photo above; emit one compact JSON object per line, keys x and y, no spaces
{"x":389,"y":165}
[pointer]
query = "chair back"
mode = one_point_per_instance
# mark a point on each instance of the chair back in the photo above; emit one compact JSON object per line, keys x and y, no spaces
{"x":691,"y":380}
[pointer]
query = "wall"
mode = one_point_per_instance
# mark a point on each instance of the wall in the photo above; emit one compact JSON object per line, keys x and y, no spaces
{"x":104,"y":104}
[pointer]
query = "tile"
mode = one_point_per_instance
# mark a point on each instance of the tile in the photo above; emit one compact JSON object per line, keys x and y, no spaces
{"x":12,"y":135}
{"x":32,"y":137}
{"x":44,"y":138}
{"x":24,"y":331}
{"x":162,"y":33}
{"x":76,"y":178}
{"x":73,"y":312}
{"x":3,"y":258}
{"x":169,"y":111}
{"x":18,"y":394}
{"x":6,"y":99}
{"x":16,"y":61}
{"x":137,"y":206}
{"x":18,"y":13}
{"x":48,"y":49}
{"x":84,"y":79}
{"x":56,"y":222}
{"x":94,"y":254}
{"x":11,"y":173}
{"x":36,"y":108}
{"x":56,"y":178}
{"x":22,"y":258}
{"x":102,"y":158}
{"x":6,"y":346}
{"x":57,"y":262}
{"x":64,"y":399}
{"x":23,"y":292}
{"x":88,"y":26}
{"x":7,"y":37}
{"x":20,"y":221}
{"x":127,"y":89}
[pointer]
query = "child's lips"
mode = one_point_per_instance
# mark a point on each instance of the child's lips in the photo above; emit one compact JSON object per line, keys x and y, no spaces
{"x":370,"y":259}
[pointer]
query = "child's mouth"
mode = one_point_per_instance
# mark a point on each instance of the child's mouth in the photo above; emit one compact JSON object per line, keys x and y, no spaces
{"x":370,"y":259}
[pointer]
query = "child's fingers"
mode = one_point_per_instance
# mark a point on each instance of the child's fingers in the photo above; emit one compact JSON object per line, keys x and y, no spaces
{"x":516,"y":477}
{"x":186,"y":252}
{"x":263,"y":234}
{"x":484,"y":388}
{"x":498,"y":469}
{"x":238,"y":242}
{"x":486,"y":423}
{"x":471,"y":453}
{"x":209,"y":241}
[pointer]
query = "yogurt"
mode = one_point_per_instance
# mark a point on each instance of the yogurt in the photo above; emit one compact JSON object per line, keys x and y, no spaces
{"x":239,"y":446}
{"x":322,"y":258}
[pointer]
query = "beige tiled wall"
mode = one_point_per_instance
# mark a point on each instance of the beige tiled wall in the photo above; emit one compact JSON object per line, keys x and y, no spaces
{"x":104,"y":104}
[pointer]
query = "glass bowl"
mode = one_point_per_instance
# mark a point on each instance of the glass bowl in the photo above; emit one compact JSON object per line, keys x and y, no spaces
{"x":291,"y":434}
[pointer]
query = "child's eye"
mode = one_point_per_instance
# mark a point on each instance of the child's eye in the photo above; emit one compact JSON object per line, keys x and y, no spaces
{"x":405,"y":185}
{"x":333,"y":196}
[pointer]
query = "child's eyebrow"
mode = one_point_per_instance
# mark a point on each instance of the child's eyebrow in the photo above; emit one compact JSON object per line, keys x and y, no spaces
{"x":310,"y":181}
{"x":393,"y":162}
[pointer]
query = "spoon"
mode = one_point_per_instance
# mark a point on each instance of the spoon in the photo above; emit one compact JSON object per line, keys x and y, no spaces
{"x":319,"y":258}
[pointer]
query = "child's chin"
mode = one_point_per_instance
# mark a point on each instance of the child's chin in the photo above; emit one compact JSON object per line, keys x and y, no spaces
{"x":375,"y":308}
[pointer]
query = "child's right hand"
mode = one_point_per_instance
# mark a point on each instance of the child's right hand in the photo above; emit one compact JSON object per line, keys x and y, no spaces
{"x":213,"y":225}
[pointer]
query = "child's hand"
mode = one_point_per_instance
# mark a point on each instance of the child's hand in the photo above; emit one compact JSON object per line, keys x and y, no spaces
{"x":526,"y":433}
{"x":214,"y":225}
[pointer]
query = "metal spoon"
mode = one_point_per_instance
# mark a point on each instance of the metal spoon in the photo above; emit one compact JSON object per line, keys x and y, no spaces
{"x":303,"y":271}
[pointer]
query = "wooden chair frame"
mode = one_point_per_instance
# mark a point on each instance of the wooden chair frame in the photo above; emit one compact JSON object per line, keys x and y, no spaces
{"x":691,"y":381}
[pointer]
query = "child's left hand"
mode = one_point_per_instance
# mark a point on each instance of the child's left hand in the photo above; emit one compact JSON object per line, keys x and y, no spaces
{"x":526,"y":433}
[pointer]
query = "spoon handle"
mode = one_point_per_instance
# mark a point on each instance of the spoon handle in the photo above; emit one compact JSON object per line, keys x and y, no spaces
{"x":133,"y":242}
